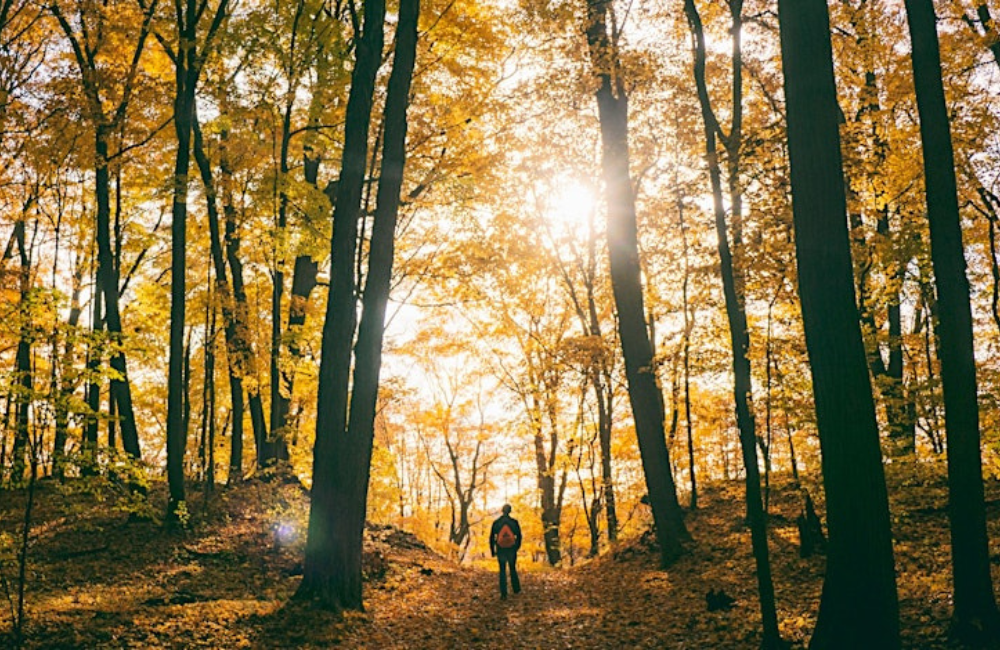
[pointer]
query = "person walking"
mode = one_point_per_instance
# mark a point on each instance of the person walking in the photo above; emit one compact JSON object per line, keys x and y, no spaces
{"x":505,"y":539}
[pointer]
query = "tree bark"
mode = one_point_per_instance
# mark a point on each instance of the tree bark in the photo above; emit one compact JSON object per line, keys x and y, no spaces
{"x":859,"y":607}
{"x":735,"y":311}
{"x":105,"y":123}
{"x":332,"y":568}
{"x":188,"y":60}
{"x":644,"y":393}
{"x":975,"y":617}
{"x":67,"y":385}
{"x":22,"y":366}
{"x":234,"y":329}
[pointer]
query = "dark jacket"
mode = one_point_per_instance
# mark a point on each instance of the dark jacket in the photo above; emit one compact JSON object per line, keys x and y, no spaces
{"x":495,"y":530}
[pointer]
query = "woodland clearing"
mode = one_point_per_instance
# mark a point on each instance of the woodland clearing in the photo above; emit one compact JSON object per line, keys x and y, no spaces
{"x":96,"y":580}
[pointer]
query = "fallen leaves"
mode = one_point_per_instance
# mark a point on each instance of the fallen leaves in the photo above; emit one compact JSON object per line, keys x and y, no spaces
{"x":228,"y":583}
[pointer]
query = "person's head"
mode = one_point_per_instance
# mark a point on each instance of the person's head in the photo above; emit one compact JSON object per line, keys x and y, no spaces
{"x":506,"y":508}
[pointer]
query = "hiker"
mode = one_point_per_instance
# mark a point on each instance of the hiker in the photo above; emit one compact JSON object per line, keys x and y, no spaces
{"x":505,"y":539}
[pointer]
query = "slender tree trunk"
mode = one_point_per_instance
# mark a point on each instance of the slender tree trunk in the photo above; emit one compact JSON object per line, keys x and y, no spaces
{"x":66,"y":383}
{"x":990,"y":201}
{"x":859,"y":607}
{"x":120,"y":393}
{"x":188,"y":60}
{"x":24,"y":381}
{"x":975,"y":616}
{"x":93,"y":392}
{"x":304,"y":280}
{"x":644,"y":393}
{"x":686,"y":361}
{"x":275,"y":447}
{"x":238,"y":345}
{"x":207,"y":384}
{"x":732,"y":289}
{"x":233,"y":307}
{"x":546,"y":472}
{"x":176,"y":433}
{"x":187,"y":67}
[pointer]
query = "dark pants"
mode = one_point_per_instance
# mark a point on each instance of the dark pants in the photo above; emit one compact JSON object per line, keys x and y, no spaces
{"x":508,"y":558}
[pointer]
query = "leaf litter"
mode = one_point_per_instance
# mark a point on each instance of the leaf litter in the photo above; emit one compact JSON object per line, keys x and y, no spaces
{"x":98,"y":581}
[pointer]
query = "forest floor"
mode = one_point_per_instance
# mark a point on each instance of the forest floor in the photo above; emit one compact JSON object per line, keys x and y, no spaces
{"x":97,"y":580}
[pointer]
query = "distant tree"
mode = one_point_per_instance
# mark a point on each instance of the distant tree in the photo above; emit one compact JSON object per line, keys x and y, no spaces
{"x":975,"y":617}
{"x":464,"y":471}
{"x":598,"y":366}
{"x":859,"y":607}
{"x":107,"y":118}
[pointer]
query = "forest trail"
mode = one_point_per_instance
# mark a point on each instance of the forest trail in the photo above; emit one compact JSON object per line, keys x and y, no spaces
{"x":435,"y":604}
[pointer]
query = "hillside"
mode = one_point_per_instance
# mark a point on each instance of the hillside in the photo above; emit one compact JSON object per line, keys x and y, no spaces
{"x":97,"y":580}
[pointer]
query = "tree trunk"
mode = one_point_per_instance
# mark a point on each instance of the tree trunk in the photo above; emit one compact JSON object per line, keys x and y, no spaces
{"x":188,"y":60}
{"x":975,"y":617}
{"x":644,"y":393}
{"x":234,"y":310}
{"x":22,"y":367}
{"x":332,"y":569}
{"x":859,"y":607}
{"x":545,"y":468}
{"x":120,"y":392}
{"x":686,"y":359}
{"x":303,"y":282}
{"x":66,"y":384}
{"x":176,"y":433}
{"x":207,"y":387}
{"x":275,"y":447}
{"x":93,"y":391}
{"x":241,"y":349}
{"x":732,"y":290}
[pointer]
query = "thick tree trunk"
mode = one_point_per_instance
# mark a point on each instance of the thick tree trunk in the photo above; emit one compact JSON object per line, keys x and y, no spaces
{"x":975,"y":614}
{"x":859,"y":607}
{"x":332,"y":569}
{"x":644,"y":393}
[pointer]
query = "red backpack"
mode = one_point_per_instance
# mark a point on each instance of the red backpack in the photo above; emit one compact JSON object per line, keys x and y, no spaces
{"x":506,"y":537}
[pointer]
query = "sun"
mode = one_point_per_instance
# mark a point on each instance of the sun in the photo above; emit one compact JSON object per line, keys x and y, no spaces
{"x":570,"y":205}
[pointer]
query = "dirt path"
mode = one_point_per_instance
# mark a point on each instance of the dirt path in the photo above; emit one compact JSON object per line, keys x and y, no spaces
{"x":434,"y":604}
